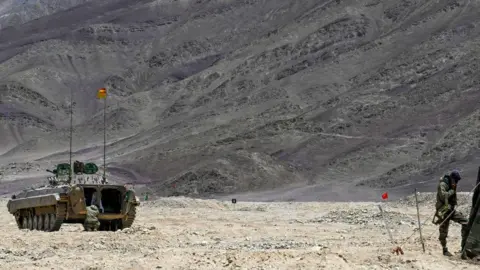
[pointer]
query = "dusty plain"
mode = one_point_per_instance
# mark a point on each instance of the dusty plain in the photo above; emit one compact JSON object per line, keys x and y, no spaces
{"x":183,"y":233}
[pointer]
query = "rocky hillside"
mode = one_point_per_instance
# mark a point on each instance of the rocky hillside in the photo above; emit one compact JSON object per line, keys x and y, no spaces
{"x":219,"y":97}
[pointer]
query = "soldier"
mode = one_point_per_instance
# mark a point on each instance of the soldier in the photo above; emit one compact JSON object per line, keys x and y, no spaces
{"x":446,"y":201}
{"x":91,"y":221}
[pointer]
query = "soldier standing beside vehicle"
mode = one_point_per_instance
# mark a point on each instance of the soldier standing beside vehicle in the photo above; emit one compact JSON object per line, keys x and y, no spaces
{"x":446,"y":202}
{"x":91,"y":221}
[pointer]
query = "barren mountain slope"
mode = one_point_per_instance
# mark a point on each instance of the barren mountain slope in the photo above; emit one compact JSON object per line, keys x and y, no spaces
{"x":14,"y":12}
{"x":217,"y":97}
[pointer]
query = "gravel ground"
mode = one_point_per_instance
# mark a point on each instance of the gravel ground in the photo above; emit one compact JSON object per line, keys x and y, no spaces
{"x":183,"y":233}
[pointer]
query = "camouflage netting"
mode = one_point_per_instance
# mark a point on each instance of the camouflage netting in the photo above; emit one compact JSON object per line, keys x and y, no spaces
{"x":472,"y":245}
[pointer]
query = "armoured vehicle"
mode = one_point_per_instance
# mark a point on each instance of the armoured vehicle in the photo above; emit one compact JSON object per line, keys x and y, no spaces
{"x":65,"y":199}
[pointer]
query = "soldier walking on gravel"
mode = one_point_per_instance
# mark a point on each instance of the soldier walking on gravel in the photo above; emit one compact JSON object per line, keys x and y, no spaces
{"x":446,"y":202}
{"x":91,"y":221}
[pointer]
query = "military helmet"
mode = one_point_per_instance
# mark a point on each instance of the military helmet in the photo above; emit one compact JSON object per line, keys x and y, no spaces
{"x":455,"y":175}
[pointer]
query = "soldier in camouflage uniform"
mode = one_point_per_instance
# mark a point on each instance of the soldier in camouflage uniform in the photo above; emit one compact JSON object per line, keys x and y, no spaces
{"x":91,"y":222}
{"x":446,"y":201}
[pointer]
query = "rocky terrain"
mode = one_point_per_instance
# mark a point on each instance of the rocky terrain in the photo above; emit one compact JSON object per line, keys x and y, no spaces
{"x":336,"y":99}
{"x":182,"y":233}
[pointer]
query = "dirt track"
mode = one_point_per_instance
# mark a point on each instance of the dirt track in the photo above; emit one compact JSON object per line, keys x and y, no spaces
{"x":192,"y":234}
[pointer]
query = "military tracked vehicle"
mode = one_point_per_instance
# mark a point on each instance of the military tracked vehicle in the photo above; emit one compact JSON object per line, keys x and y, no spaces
{"x":65,"y":199}
{"x":69,"y":192}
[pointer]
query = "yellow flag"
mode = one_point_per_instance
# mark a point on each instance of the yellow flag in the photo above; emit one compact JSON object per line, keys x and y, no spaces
{"x":102,"y":93}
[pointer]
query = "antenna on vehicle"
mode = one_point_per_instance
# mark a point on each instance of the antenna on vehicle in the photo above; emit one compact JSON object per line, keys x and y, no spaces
{"x":71,"y":123}
{"x":69,"y":57}
{"x":71,"y":136}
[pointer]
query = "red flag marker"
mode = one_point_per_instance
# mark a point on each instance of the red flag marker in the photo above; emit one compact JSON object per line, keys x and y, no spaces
{"x":385,"y":195}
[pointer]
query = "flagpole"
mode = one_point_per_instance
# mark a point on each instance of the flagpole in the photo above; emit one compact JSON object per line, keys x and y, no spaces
{"x":104,"y":137}
{"x":102,"y":94}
